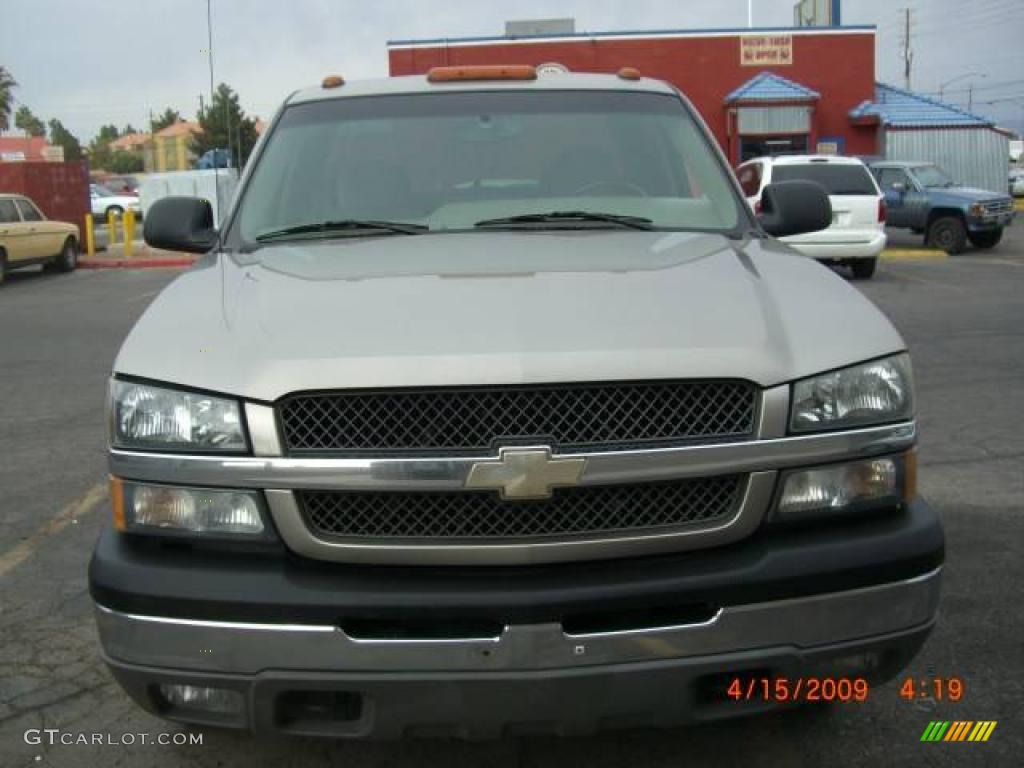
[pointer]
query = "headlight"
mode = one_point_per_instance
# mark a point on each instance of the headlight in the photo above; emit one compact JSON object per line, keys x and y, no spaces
{"x":168,"y":509}
{"x":878,"y":392}
{"x":154,"y":418}
{"x":977,"y":210}
{"x":838,"y":489}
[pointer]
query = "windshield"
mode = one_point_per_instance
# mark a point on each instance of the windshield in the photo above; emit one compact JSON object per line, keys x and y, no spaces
{"x":103,"y":191}
{"x":837,"y":178}
{"x":932,"y":176}
{"x":449,"y":161}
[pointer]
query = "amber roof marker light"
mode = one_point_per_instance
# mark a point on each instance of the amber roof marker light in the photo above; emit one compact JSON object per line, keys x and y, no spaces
{"x":482,"y":72}
{"x":629,"y":73}
{"x":332,"y":81}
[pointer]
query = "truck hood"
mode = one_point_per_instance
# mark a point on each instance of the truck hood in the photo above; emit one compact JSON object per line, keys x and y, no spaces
{"x":502,"y":307}
{"x":962,"y":195}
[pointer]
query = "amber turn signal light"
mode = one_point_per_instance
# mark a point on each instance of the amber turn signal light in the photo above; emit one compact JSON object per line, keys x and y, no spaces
{"x":117,"y":502}
{"x":629,"y":73}
{"x":482,"y":72}
{"x":332,"y":81}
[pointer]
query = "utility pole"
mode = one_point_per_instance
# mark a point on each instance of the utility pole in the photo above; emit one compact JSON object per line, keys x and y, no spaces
{"x":209,"y":51}
{"x":750,"y":14}
{"x":908,"y":54}
{"x":970,"y":97}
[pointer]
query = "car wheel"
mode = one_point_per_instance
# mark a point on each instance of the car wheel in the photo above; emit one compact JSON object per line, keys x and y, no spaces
{"x":3,"y":266}
{"x":117,"y":210}
{"x":863,"y":269}
{"x":68,"y":258}
{"x":988,"y":239}
{"x":948,"y":234}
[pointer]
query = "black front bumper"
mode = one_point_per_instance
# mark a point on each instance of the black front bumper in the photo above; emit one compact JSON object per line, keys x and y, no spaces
{"x":839,"y":601}
{"x":143,"y":577}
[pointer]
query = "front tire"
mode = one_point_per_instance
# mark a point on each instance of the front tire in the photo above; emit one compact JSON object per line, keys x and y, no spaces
{"x":948,"y":234}
{"x":863,"y":269}
{"x":117,"y":210}
{"x":989,"y":239}
{"x":3,"y":266}
{"x":68,"y":258}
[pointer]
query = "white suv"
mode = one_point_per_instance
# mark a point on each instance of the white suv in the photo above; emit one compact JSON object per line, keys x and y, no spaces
{"x":857,"y":233}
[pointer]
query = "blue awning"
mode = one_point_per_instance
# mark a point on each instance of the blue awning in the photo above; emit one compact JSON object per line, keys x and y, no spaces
{"x":767,"y":86}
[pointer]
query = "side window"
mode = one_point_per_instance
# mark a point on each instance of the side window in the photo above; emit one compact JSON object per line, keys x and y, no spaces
{"x":750,"y":179}
{"x":28,"y":211}
{"x":890,"y":176}
{"x":8,"y":213}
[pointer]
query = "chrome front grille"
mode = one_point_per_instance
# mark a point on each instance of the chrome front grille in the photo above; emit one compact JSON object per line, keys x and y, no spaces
{"x":482,"y":516}
{"x":998,"y":207}
{"x":474,"y":420}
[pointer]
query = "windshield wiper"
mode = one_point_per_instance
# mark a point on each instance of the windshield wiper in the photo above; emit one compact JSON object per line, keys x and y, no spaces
{"x":554,"y":217}
{"x":355,"y":226}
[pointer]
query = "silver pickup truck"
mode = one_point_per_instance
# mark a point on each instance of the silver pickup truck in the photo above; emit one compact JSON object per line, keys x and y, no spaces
{"x":492,"y":408}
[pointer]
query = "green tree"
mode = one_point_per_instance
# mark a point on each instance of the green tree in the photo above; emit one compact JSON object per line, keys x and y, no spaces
{"x":169,"y":117}
{"x":224,"y":113}
{"x":100,"y":154}
{"x":128,"y":129}
{"x":7,"y":86}
{"x":62,"y":137}
{"x":25,"y":121}
{"x":124,"y":162}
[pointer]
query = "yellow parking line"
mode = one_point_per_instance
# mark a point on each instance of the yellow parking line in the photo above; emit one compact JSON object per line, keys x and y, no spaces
{"x":913,"y":253}
{"x":16,"y":556}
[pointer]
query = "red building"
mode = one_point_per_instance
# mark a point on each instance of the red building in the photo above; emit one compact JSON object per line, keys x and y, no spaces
{"x":760,"y":90}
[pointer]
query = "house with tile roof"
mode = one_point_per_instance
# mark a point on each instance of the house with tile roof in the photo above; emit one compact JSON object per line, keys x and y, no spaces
{"x":171,"y":147}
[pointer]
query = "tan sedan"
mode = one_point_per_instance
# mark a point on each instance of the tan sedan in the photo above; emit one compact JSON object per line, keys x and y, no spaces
{"x":27,"y":237}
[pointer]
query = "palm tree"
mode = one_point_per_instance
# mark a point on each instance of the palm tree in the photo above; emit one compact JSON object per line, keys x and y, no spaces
{"x":7,"y":86}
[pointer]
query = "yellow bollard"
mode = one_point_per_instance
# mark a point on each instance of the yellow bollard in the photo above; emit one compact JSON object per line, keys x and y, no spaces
{"x":90,"y":236}
{"x":129,"y":232}
{"x":111,"y":229}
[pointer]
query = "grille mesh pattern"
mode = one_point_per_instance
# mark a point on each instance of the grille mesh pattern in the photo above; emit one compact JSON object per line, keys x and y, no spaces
{"x":568,"y":417}
{"x":484,"y":515}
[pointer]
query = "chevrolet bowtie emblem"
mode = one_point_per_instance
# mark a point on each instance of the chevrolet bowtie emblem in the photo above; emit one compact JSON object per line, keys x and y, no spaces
{"x":525,"y":473}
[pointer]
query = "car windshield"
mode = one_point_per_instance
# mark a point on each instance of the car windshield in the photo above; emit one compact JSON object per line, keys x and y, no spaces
{"x":932,"y":176}
{"x":837,"y":178}
{"x":450,"y":161}
{"x":103,"y":191}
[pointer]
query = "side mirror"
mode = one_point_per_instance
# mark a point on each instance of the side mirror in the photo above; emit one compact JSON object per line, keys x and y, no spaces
{"x":899,"y":187}
{"x":794,"y":207}
{"x":180,"y":224}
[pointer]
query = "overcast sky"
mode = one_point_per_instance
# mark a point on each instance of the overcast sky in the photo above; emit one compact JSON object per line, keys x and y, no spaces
{"x":90,"y":62}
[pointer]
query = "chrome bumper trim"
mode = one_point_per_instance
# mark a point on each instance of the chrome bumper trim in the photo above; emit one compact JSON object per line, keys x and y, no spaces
{"x":450,"y":473}
{"x":248,"y":649}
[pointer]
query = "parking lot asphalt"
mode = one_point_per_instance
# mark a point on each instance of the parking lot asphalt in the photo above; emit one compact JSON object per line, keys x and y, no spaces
{"x":963,"y":318}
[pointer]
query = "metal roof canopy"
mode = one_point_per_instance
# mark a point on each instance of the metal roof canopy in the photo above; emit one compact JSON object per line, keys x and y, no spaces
{"x":766,"y":86}
{"x":897,"y":108}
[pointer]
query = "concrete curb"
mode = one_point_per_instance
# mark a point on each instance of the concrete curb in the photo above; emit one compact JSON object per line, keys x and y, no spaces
{"x":913,"y":253}
{"x":178,"y":262}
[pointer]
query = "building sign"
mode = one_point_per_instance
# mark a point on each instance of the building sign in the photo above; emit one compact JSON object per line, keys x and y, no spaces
{"x":53,"y":154}
{"x":766,"y":50}
{"x":12,"y":157}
